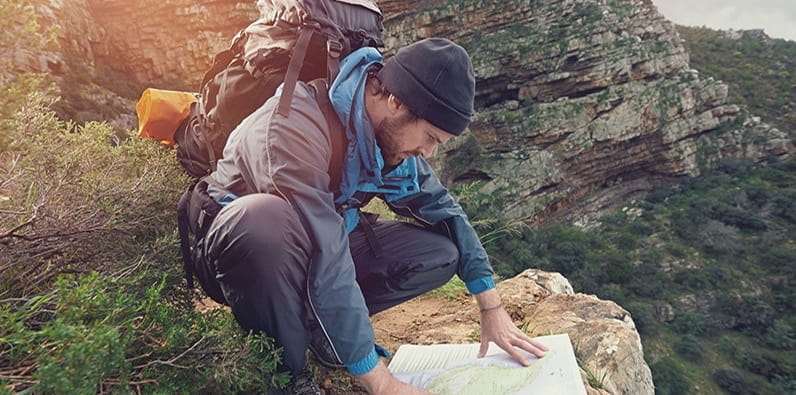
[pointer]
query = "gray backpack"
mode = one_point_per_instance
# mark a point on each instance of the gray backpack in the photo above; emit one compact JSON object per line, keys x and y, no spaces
{"x":293,"y":40}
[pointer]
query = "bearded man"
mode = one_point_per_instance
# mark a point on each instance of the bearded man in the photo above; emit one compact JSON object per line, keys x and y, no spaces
{"x":291,"y":252}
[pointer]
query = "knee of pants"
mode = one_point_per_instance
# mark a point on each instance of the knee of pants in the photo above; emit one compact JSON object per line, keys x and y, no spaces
{"x":440,"y":265}
{"x":257,"y":225}
{"x":449,"y":260}
{"x":448,"y":252}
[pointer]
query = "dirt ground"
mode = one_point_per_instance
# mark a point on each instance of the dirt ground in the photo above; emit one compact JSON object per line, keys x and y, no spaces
{"x":438,"y":317}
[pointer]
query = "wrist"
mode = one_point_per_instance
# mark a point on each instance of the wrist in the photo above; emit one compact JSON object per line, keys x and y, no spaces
{"x":488,"y":299}
{"x":376,"y":380}
{"x":488,"y":309}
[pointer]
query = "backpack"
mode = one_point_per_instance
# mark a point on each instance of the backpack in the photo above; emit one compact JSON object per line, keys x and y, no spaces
{"x":293,"y":40}
{"x":196,"y":209}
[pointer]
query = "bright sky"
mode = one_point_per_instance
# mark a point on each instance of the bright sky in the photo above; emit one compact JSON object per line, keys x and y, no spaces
{"x":776,"y":17}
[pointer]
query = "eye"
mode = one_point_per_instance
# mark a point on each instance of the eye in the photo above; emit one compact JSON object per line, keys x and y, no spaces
{"x":433,"y":138}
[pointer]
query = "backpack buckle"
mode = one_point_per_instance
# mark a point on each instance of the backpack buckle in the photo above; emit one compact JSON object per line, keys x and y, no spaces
{"x":334,"y":48}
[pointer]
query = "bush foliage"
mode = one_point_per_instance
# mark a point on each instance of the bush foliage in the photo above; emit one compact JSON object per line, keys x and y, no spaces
{"x":76,"y":199}
{"x":103,"y":333}
{"x":92,"y":296}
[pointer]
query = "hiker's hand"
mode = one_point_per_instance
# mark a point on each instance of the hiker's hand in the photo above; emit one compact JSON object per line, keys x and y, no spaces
{"x":497,"y":327}
{"x":381,"y":381}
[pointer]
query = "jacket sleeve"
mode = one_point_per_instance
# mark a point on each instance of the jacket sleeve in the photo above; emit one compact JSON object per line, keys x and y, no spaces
{"x":435,"y":207}
{"x":289,"y":158}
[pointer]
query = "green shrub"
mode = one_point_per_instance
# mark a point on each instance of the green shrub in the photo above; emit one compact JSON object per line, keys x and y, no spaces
{"x":619,"y":272}
{"x":688,"y":323}
{"x":643,"y":317}
{"x":567,"y":256}
{"x":649,"y":286}
{"x":780,"y":335}
{"x":692,"y":279}
{"x":660,"y":193}
{"x":731,"y":381}
{"x":97,"y":334}
{"x":756,"y":315}
{"x":612,"y":292}
{"x":669,"y":378}
{"x":718,"y":239}
{"x":763,"y":362}
{"x":77,"y":199}
{"x":689,"y":348}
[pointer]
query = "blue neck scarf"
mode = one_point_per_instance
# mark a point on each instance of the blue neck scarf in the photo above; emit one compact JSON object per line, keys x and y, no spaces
{"x":363,"y":160}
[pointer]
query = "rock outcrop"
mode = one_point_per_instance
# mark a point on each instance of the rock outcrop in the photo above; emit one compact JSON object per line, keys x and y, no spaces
{"x":603,"y":334}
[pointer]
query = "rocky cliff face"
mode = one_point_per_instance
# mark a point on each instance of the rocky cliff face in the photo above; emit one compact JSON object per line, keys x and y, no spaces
{"x":168,"y":43}
{"x":107,"y":52}
{"x":580,"y":103}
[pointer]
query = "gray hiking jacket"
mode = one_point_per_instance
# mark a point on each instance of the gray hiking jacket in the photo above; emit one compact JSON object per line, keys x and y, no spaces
{"x":289,"y":158}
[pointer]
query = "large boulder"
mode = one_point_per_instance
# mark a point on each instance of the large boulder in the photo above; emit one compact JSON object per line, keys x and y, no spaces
{"x":603,"y":334}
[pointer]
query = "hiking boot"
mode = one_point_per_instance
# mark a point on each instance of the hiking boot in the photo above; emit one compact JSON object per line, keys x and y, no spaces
{"x":321,"y":348}
{"x":303,"y":384}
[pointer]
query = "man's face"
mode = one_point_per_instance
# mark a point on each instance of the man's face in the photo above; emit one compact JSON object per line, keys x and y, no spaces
{"x":400,"y":137}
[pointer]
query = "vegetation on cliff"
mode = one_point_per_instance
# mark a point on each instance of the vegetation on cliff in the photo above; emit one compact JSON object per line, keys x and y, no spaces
{"x":760,"y":71}
{"x":91,"y":293}
{"x":705,"y":267}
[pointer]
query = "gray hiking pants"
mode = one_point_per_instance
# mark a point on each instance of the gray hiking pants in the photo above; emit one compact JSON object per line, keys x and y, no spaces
{"x":262,"y":270}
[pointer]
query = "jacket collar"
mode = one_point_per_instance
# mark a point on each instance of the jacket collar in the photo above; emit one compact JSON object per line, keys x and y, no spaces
{"x":347,"y":95}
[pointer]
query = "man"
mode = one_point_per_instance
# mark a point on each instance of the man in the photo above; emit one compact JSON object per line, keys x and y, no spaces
{"x":291,"y":253}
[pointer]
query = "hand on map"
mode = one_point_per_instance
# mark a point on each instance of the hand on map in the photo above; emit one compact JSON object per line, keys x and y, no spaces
{"x":379,"y":381}
{"x":497,"y":327}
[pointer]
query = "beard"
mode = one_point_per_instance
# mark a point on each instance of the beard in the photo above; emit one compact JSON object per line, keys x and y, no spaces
{"x":390,"y":134}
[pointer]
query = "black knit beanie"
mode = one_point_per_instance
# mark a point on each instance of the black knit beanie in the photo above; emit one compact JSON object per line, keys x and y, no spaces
{"x":434,"y":78}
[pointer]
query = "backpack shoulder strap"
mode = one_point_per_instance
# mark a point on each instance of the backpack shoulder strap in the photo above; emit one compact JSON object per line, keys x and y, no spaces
{"x":293,"y":69}
{"x":336,"y":132}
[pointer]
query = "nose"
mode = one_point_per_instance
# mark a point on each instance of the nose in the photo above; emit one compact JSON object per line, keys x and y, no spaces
{"x":428,"y":150}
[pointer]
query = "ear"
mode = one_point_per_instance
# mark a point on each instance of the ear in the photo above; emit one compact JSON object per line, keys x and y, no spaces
{"x":394,"y":105}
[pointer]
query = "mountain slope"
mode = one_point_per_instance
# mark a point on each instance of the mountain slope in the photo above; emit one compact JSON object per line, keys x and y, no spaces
{"x":760,"y":71}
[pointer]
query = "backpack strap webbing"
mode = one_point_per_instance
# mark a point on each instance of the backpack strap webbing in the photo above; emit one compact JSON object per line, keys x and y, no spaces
{"x":333,"y":51}
{"x":293,"y":69}
{"x":184,"y":230}
{"x":336,"y":132}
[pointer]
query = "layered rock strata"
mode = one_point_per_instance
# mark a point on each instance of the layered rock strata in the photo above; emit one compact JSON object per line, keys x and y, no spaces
{"x":580,"y":104}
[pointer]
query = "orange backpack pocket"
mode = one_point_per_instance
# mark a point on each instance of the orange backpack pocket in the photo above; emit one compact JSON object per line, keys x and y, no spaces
{"x":160,"y":113}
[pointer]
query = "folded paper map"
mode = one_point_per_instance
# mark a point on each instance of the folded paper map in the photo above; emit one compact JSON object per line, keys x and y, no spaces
{"x":454,"y":369}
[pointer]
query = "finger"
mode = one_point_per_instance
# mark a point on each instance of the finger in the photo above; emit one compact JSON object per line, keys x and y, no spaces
{"x":484,"y":347}
{"x":539,"y":345}
{"x":530,"y":340}
{"x":514,"y":353}
{"x":533,"y":347}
